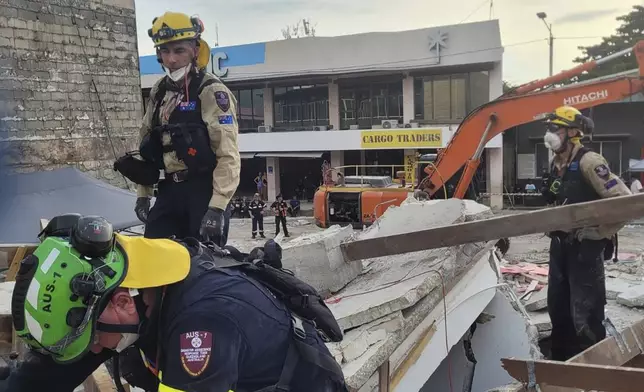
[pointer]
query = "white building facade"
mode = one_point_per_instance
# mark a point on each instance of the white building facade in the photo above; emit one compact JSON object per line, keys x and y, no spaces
{"x":364,"y":99}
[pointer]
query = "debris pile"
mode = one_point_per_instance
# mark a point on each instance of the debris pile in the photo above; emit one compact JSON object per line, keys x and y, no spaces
{"x":389,"y":305}
{"x":527,"y":275}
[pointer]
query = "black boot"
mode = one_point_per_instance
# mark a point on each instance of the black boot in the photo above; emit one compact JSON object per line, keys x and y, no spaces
{"x":261,"y":234}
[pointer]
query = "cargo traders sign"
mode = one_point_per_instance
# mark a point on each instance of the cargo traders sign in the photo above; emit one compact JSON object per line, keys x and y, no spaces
{"x":412,"y":138}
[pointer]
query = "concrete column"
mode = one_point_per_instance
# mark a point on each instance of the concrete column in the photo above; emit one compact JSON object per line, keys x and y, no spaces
{"x":496,"y":80}
{"x":495,"y":176}
{"x":408,"y":99}
{"x":334,"y":105}
{"x":337,"y":159}
{"x":495,"y":155}
{"x":269,"y":112}
{"x":273,"y":178}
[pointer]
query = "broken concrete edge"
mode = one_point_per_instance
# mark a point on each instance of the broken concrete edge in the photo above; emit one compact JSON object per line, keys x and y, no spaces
{"x":374,"y":357}
{"x":417,"y":323}
{"x":460,"y":263}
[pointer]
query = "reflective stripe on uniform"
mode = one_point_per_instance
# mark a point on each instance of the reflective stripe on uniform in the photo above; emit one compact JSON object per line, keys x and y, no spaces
{"x":165,"y":388}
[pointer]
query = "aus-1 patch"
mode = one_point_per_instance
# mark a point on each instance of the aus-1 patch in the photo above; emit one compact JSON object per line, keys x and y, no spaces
{"x":574,"y":166}
{"x":602,"y":171}
{"x":223,"y":100}
{"x":195,"y":351}
{"x":226,"y":119}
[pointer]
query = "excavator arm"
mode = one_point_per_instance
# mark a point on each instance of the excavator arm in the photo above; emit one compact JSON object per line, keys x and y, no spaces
{"x":525,"y":104}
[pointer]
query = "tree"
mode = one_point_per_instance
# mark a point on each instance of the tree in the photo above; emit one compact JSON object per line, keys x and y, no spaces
{"x":626,"y":36}
{"x":302,"y":28}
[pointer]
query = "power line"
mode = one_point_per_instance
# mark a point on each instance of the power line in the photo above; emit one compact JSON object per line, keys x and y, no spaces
{"x":473,"y":12}
{"x":587,"y":37}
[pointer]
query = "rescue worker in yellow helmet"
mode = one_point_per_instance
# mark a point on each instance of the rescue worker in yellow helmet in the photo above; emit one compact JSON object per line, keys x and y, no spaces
{"x":576,"y":289}
{"x":189,"y":131}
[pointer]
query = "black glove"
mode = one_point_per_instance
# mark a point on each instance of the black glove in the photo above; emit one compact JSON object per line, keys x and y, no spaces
{"x":142,"y":208}
{"x":212,"y":226}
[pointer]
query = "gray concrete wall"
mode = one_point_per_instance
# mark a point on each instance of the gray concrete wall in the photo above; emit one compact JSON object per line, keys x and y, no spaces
{"x":51,"y":56}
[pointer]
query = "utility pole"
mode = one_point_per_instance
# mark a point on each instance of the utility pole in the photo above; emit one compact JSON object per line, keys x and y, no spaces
{"x":551,"y":39}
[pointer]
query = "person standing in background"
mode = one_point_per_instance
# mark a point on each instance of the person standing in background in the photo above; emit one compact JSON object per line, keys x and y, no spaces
{"x":636,"y":185}
{"x":280,"y":209}
{"x":257,"y":207}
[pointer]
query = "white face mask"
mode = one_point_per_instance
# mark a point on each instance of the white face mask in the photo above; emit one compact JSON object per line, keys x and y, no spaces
{"x":552,"y":141}
{"x":178,"y":74}
{"x":127,"y":339}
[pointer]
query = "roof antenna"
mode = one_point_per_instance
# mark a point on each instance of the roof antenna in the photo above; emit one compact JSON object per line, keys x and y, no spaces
{"x":491,"y":8}
{"x":216,"y":34}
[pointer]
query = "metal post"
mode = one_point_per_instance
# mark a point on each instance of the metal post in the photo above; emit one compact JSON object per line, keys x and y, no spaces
{"x":383,"y":377}
{"x":551,"y":41}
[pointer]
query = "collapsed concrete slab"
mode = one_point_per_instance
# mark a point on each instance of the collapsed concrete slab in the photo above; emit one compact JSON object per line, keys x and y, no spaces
{"x":317,"y":259}
{"x":633,"y":297}
{"x":418,"y":346}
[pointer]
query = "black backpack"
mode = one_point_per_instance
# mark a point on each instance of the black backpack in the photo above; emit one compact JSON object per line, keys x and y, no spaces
{"x":264,"y":265}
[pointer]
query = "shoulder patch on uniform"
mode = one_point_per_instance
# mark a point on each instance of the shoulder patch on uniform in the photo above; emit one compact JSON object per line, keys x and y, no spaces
{"x":195,"y":351}
{"x":223,"y":100}
{"x":602,"y":171}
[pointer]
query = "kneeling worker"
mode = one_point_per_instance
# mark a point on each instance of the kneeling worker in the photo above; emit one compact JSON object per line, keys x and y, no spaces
{"x":80,"y":300}
{"x":576,"y":289}
{"x":189,"y":131}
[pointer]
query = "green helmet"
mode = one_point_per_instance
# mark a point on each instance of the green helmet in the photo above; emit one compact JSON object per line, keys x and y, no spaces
{"x":63,"y":287}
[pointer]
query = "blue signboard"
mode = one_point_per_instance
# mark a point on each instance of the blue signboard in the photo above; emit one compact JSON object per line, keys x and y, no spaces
{"x":222,"y":58}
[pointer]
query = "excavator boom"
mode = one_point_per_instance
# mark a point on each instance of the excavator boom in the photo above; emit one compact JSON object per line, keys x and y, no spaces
{"x":525,"y":104}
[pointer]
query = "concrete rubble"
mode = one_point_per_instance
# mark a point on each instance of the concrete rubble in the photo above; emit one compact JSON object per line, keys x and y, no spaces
{"x":386,"y":305}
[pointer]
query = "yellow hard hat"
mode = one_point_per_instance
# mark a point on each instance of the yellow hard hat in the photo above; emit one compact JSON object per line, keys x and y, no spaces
{"x":569,"y":117}
{"x":176,"y":26}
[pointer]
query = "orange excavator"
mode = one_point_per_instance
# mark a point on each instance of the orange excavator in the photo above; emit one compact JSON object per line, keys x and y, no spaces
{"x":529,"y":102}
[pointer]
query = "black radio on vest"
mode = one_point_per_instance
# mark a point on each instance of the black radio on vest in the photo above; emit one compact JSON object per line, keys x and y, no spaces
{"x":187,"y":130}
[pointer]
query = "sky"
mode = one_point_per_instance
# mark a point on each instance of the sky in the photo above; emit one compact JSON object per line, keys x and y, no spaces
{"x":524,"y":36}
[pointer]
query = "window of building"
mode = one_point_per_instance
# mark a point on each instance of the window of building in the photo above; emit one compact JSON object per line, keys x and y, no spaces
{"x":250,"y":109}
{"x":368,"y":104}
{"x":448,"y":98}
{"x":301,"y":107}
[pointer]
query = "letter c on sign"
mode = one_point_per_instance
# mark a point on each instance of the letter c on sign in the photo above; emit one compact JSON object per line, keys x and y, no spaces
{"x":217,"y":69}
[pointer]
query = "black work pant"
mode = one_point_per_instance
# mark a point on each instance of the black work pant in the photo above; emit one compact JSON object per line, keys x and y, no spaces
{"x":278,"y":220}
{"x":258,"y":220}
{"x":179,"y":208}
{"x":576,"y":295}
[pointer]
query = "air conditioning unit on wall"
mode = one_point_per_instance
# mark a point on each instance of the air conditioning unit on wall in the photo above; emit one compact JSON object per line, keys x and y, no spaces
{"x":264,"y":128}
{"x":412,"y":125}
{"x":388,"y":124}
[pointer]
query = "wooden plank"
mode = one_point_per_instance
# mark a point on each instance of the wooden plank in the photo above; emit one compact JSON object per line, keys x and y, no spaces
{"x":413,"y":355}
{"x":383,"y":377}
{"x":606,"y":211}
{"x":101,"y":381}
{"x":15,"y":264}
{"x":575,"y":375}
{"x":608,"y":352}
